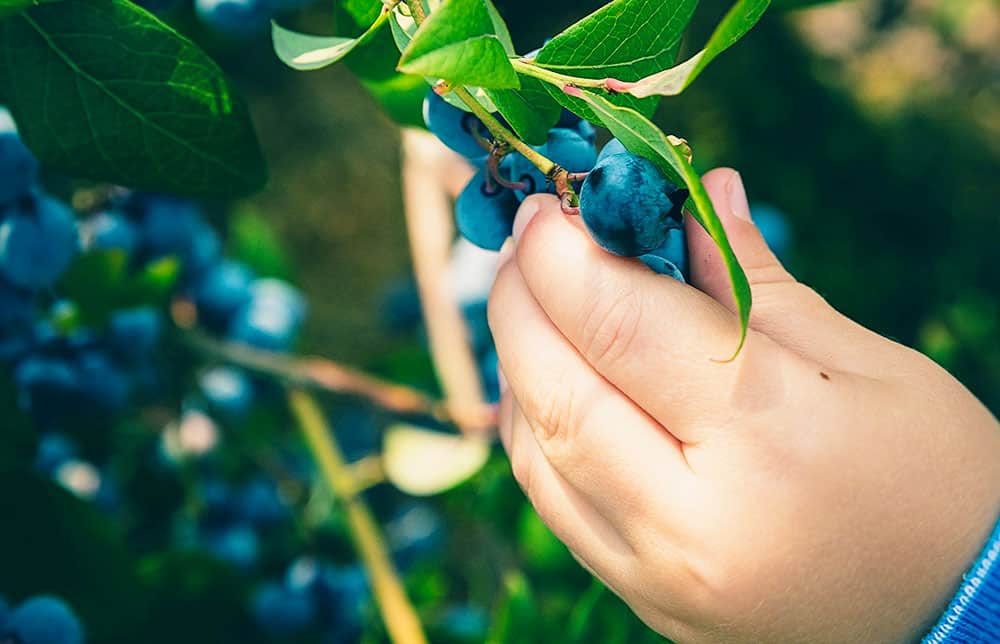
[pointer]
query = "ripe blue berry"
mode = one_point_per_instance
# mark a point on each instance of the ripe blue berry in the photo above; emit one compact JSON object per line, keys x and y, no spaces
{"x":281,"y":611}
{"x":228,"y":390}
{"x":47,"y":386}
{"x":15,"y":306}
{"x":104,"y":385}
{"x":109,"y":230}
{"x":484,"y":212}
{"x":43,"y":620}
{"x":221,"y":292}
{"x":54,"y":449}
{"x":628,"y":206}
{"x":134,"y":333}
{"x":613,"y":147}
{"x":454,"y":127}
{"x":773,"y":226}
{"x":237,"y":18}
{"x":566,"y":147}
{"x":38,"y":240}
{"x":237,"y":544}
{"x":671,"y":257}
{"x":261,"y":504}
{"x":272,"y":317}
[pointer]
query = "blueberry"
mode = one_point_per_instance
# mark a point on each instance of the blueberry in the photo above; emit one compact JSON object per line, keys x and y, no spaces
{"x":203,"y":253}
{"x":237,"y":18}
{"x":628,"y":206}
{"x":400,"y":309}
{"x":261,"y":504}
{"x":587,"y":130}
{"x":272,"y":317}
{"x":134,"y":333}
{"x":221,"y":292}
{"x":568,"y":119}
{"x":109,"y":230}
{"x":16,"y":306}
{"x":566,"y":147}
{"x":228,"y":390}
{"x":773,"y":226}
{"x":43,"y":620}
{"x":168,"y":223}
{"x":454,"y":127}
{"x":175,"y":227}
{"x":54,"y":449}
{"x":237,"y":544}
{"x":38,"y":241}
{"x":484,"y":212}
{"x":613,"y":147}
{"x":414,"y":533}
{"x":282,"y":611}
{"x":671,"y":257}
{"x":18,"y":166}
{"x":357,"y":433}
{"x":343,"y":594}
{"x":47,"y":386}
{"x":104,"y":385}
{"x":469,"y":623}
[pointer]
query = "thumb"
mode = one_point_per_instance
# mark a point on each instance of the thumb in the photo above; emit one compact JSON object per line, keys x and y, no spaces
{"x":708,"y":272}
{"x":784,"y":309}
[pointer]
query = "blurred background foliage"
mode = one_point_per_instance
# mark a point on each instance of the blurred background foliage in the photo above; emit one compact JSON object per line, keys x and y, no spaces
{"x":873,"y":124}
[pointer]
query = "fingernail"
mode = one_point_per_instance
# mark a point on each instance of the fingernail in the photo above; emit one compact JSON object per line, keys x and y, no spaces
{"x":506,"y":250}
{"x":525,"y":214}
{"x":737,"y":194}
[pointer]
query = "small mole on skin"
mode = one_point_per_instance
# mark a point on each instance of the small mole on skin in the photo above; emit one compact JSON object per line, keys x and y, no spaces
{"x":824,"y":376}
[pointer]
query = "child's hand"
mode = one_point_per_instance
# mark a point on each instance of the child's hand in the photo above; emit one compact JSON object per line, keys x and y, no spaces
{"x":829,"y":485}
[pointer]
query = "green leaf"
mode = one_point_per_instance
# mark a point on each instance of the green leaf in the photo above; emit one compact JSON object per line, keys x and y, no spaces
{"x":625,"y":39}
{"x":10,"y":7}
{"x":364,"y":12}
{"x":671,"y":156}
{"x":458,"y":43}
{"x":401,"y":96}
{"x":306,"y":52}
{"x":102,"y":282}
{"x":531,"y":110}
{"x":737,"y":22}
{"x":102,"y":89}
{"x":516,"y":618}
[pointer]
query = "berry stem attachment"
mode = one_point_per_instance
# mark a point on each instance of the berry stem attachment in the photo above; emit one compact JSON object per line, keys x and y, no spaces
{"x":493,"y":168}
{"x":501,"y":133}
{"x":398,"y":613}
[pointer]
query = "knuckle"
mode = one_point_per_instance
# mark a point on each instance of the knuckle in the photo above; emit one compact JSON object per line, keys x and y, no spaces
{"x":611,"y":320}
{"x":555,"y":417}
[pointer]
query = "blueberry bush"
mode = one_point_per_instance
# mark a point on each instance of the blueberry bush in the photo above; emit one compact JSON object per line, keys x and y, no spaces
{"x":178,"y":465}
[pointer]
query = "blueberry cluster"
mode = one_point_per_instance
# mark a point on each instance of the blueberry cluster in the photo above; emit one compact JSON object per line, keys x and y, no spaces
{"x":313,"y":596}
{"x":66,"y":372}
{"x":39,"y":620}
{"x":627,"y":204}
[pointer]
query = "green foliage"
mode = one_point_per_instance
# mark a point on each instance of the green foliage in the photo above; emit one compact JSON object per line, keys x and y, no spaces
{"x":459,"y":42}
{"x":740,"y":19}
{"x":10,"y":7}
{"x":671,"y":156}
{"x":306,"y":52}
{"x":102,"y":89}
{"x":121,"y":286}
{"x":626,"y":39}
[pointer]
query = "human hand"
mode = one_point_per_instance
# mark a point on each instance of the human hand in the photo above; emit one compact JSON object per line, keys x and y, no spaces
{"x":828,"y":485}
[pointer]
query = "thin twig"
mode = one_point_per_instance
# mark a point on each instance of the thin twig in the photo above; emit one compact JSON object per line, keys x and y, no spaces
{"x":322,"y":374}
{"x":400,"y":617}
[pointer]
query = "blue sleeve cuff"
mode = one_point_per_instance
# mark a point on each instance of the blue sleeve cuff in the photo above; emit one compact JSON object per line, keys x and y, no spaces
{"x":974,"y":614}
